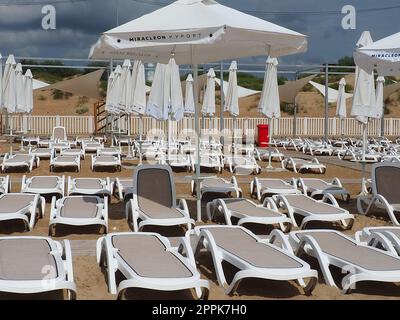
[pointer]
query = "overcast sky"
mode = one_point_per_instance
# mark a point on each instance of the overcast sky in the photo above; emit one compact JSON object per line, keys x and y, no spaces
{"x":80,"y":22}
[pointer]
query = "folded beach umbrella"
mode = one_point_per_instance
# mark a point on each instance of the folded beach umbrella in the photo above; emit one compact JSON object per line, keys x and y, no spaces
{"x":269,"y":104}
{"x":125,"y":87}
{"x":166,"y":100}
{"x":380,"y":83}
{"x":190,"y":106}
{"x":384,"y":55}
{"x":1,"y":82}
{"x":116,"y":91}
{"x":232,"y":97}
{"x":364,"y":92}
{"x":341,"y":109}
{"x":209,"y":95}
{"x":139,"y":88}
{"x":111,"y":79}
{"x":9,"y":97}
{"x":28,"y":91}
{"x":19,"y":90}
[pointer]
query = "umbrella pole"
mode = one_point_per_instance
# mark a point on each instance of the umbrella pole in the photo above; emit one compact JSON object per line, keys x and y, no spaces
{"x":197,"y":128}
{"x":270,"y":122}
{"x":129,"y":137}
{"x":364,"y":149}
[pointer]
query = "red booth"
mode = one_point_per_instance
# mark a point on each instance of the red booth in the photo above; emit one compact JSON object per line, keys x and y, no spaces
{"x":263,"y":135}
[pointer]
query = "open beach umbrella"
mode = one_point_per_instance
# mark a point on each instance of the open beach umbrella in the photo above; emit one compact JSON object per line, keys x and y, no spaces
{"x":190,"y":106}
{"x":208,"y":108}
{"x":206,"y":31}
{"x":269,"y":104}
{"x":20,"y":105}
{"x":364,"y":100}
{"x":384,"y":55}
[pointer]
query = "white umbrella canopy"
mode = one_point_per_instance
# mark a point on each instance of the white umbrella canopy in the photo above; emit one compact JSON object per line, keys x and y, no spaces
{"x":28,"y":91}
{"x":190,"y":106}
{"x":111,"y":79}
{"x":364,"y":106}
{"x":197,"y":31}
{"x":341,"y":108}
{"x":9,"y":97}
{"x":232,"y":96}
{"x":269,"y":104}
{"x":209,"y":95}
{"x":125,"y":87}
{"x":384,"y":55}
{"x":20,"y":105}
{"x":166,"y":100}
{"x":139,"y":88}
{"x":115,"y":90}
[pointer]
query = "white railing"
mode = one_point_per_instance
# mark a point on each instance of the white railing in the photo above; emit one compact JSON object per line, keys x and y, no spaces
{"x":306,"y":127}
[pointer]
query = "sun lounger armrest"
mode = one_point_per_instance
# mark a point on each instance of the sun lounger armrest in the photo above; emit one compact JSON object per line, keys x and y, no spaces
{"x":186,"y":250}
{"x":183,"y":206}
{"x":376,"y":238}
{"x":68,"y":260}
{"x":330,"y":198}
{"x":277,"y":235}
{"x":337,"y":182}
{"x":270,"y":204}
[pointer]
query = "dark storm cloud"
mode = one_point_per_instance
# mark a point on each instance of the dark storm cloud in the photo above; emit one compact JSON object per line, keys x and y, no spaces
{"x":80,"y":23}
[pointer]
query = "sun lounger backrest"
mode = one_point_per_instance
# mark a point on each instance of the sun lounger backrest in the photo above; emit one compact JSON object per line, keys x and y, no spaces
{"x":386,"y":179}
{"x":155,"y":185}
{"x":59,"y":133}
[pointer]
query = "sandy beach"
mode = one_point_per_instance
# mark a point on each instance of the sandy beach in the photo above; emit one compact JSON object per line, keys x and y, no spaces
{"x":91,"y":281}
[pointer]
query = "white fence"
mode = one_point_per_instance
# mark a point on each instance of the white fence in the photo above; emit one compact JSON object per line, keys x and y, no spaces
{"x":310,"y":127}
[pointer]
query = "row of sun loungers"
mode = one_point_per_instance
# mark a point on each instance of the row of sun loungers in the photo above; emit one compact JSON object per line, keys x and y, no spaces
{"x":150,"y":261}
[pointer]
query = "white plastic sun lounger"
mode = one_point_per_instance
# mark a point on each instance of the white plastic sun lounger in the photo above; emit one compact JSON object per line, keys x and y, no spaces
{"x":265,"y":187}
{"x":44,"y":185}
{"x":385,"y":191}
{"x":275,"y":155}
{"x":36,"y":264}
{"x":313,"y":210}
{"x":217,"y":185}
{"x":180,"y":161}
{"x":242,"y":165}
{"x":60,"y":145}
{"x":91,"y":146}
{"x":147,"y":260}
{"x":301,"y":165}
{"x":42,"y":153}
{"x":79,"y":211}
{"x":111,"y":151}
{"x":388,"y":237}
{"x":359,"y":261}
{"x":25,"y":207}
{"x":123,"y":188}
{"x":209,"y":161}
{"x":65,"y":162}
{"x":154,"y":199}
{"x":89,"y":186}
{"x":5,"y":184}
{"x":254,"y":257}
{"x":247,"y":211}
{"x":19,"y":161}
{"x":73,"y":153}
{"x":315,"y":187}
{"x":106,"y":162}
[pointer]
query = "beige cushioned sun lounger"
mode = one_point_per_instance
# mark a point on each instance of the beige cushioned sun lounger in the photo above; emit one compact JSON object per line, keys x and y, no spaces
{"x":24,"y":259}
{"x":359,"y":261}
{"x":255,"y":258}
{"x":148,"y":261}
